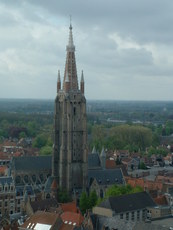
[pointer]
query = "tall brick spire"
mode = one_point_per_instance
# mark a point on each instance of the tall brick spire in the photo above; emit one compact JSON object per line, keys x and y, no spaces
{"x":70,"y":66}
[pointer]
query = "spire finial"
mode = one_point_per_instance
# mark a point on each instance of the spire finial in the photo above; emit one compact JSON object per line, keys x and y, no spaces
{"x":82,"y":77}
{"x":70,"y":46}
{"x":70,"y":19}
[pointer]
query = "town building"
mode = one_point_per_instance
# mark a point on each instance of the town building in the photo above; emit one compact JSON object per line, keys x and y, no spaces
{"x":70,"y":153}
{"x":130,"y":207}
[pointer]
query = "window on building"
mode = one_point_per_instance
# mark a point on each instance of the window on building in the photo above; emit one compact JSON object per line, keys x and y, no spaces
{"x":132,"y":215}
{"x":143,"y":214}
{"x":121,"y":216}
{"x":138,"y":214}
{"x":127,"y":216}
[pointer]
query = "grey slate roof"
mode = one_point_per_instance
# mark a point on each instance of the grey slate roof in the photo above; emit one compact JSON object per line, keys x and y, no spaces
{"x":93,"y":161}
{"x":35,"y":163}
{"x":106,"y":176}
{"x":129,"y":202}
{"x":148,"y":226}
{"x":6,"y":180}
{"x":114,"y":223}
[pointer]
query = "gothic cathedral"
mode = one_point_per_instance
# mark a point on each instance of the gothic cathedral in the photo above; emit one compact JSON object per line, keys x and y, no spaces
{"x":70,"y":153}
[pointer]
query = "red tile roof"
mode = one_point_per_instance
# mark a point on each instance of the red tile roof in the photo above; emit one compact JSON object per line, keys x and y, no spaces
{"x":161,"y":200}
{"x":69,"y":207}
{"x":145,"y":184}
{"x":41,"y":218}
{"x":72,"y":218}
{"x":110,"y":164}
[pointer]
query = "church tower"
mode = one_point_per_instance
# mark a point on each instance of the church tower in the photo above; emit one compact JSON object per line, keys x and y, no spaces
{"x":70,"y":155}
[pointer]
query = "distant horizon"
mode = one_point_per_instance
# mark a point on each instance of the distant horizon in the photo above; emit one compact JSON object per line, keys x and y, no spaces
{"x":111,"y":100}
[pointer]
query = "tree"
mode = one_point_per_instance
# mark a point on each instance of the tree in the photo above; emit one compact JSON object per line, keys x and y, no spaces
{"x":40,"y":141}
{"x":46,"y":150}
{"x":84,"y":202}
{"x":22,"y":135}
{"x":142,"y":166}
{"x":93,"y":199}
{"x":63,"y":196}
{"x":116,"y":190}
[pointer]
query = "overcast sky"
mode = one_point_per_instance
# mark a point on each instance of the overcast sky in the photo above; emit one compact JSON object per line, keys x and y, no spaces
{"x":124,"y":47}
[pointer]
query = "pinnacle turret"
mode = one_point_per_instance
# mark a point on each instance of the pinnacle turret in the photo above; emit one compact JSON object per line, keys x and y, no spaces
{"x":82,"y":83}
{"x":82,"y":77}
{"x":58,"y":82}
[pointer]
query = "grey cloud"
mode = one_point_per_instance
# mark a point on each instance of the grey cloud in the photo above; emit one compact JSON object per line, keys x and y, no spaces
{"x":34,"y":35}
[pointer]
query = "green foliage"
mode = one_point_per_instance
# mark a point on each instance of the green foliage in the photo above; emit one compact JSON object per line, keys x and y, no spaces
{"x":130,"y":137}
{"x":84,"y":202}
{"x":98,"y":136}
{"x":92,"y":199}
{"x":142,"y":166}
{"x":40,"y":141}
{"x":158,"y":151}
{"x":22,"y":135}
{"x":87,"y":202}
{"x":121,"y":190}
{"x":49,"y":142}
{"x":46,"y":150}
{"x":63,"y":196}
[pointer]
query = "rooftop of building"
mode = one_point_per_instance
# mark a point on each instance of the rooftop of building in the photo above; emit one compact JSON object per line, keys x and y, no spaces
{"x":129,"y":202}
{"x":32,"y":163}
{"x":106,"y":176}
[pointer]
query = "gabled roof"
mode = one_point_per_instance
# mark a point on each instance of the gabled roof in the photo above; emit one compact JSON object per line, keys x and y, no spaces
{"x":48,"y":184}
{"x":69,"y":207}
{"x":129,"y":202}
{"x":34,"y":163}
{"x":40,"y":220}
{"x":93,"y":161}
{"x":106,"y":176}
{"x":44,"y":204}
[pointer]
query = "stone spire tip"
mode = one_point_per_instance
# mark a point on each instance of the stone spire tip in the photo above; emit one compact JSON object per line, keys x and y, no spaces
{"x":59,"y":79}
{"x":82,"y":77}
